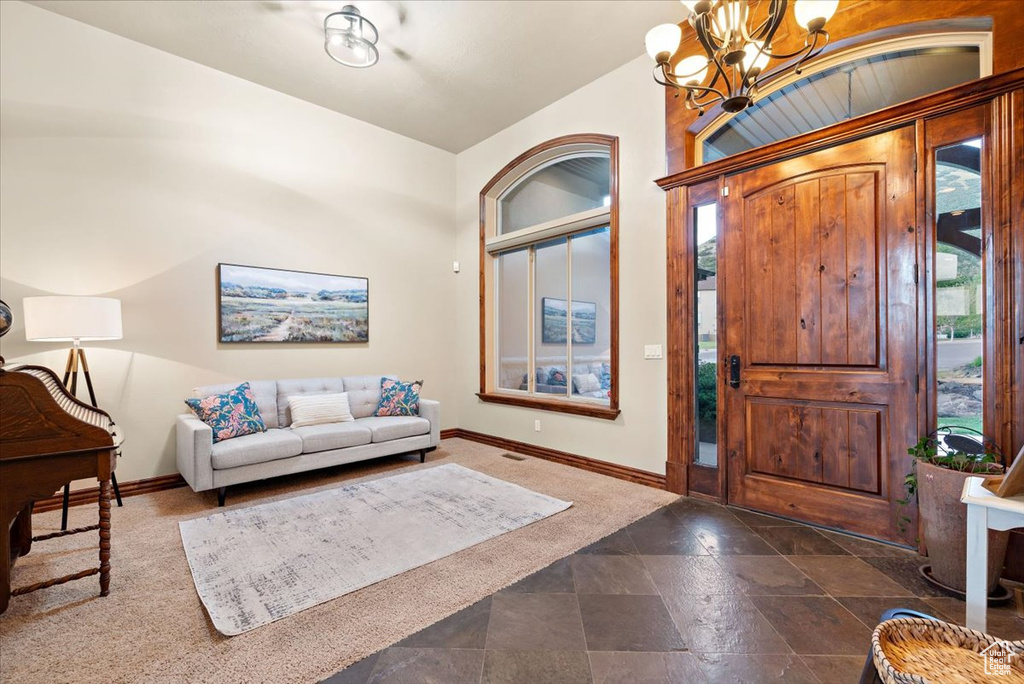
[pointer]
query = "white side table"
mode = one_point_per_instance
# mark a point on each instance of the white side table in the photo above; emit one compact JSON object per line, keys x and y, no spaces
{"x":985,"y":511}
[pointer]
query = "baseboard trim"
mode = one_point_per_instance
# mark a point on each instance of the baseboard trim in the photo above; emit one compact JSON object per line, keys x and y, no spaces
{"x":81,"y":497}
{"x":565,"y":458}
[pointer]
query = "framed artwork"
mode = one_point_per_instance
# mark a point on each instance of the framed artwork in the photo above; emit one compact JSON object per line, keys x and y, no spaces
{"x":584,"y":321}
{"x":257,"y":304}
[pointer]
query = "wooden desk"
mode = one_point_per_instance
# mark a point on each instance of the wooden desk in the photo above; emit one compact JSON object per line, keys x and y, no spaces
{"x":985,"y":511}
{"x":48,"y":438}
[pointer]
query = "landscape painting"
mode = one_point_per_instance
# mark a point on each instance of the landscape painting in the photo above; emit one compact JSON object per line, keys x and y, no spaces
{"x":273,"y":305}
{"x":584,"y":321}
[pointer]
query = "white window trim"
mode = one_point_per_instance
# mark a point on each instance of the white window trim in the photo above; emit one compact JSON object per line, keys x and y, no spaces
{"x":566,"y":227}
{"x":982,"y":40}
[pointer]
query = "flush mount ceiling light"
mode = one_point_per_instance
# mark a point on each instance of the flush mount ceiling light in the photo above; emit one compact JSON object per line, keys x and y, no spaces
{"x":736,"y":49}
{"x":350,"y":39}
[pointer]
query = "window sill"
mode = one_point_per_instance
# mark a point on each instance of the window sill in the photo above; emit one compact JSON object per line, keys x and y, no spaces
{"x":578,"y":408}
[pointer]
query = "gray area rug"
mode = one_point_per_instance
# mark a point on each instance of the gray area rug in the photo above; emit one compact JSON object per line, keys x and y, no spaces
{"x":255,"y":565}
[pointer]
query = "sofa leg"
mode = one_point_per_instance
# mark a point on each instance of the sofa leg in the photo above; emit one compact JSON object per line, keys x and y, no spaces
{"x":222,"y":494}
{"x":423,"y":455}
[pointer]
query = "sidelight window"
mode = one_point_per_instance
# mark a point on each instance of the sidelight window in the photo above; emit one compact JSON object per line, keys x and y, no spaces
{"x":959,"y":287}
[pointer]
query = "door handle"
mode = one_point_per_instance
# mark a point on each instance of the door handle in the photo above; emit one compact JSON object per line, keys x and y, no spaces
{"x":734,"y":371}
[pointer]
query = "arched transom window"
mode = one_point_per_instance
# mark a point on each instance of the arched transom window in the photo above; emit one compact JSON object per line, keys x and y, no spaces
{"x":847,"y":84}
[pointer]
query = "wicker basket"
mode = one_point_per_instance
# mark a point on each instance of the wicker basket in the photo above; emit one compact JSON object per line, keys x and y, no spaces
{"x":918,"y":651}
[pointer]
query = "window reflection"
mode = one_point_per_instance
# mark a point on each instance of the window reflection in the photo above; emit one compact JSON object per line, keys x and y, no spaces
{"x":706,"y":372}
{"x":959,"y":291}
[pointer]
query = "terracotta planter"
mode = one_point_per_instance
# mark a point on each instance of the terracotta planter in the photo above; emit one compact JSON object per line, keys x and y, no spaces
{"x":944,"y":526}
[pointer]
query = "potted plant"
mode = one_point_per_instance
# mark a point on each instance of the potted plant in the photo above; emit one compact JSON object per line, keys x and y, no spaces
{"x":941,"y":464}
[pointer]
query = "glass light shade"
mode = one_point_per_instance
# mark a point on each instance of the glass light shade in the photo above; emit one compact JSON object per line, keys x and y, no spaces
{"x":728,"y":16}
{"x":806,"y":11}
{"x":753,"y":60}
{"x":350,"y":39}
{"x":663,"y":38}
{"x":64,"y":318}
{"x":691,"y":70}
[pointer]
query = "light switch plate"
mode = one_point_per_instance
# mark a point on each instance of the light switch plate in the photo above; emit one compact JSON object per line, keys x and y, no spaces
{"x":652,"y":351}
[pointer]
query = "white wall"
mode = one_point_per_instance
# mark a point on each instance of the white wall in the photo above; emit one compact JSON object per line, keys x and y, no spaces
{"x":625,"y":103}
{"x":129,"y":172}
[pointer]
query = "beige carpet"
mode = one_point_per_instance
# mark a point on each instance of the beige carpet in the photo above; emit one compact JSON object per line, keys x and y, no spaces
{"x":152,"y":627}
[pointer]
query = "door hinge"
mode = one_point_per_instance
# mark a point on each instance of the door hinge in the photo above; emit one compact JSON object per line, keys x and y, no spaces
{"x":917,"y":274}
{"x":917,"y":384}
{"x":915,"y":161}
{"x":725,"y":191}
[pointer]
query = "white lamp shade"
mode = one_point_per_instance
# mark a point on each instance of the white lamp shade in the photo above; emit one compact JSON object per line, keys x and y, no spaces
{"x":663,"y":38}
{"x":65,"y":318}
{"x":754,"y":59}
{"x":691,"y":70}
{"x":806,"y":11}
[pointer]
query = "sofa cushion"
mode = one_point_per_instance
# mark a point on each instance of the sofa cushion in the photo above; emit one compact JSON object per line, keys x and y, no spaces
{"x":263,"y":391}
{"x":387,"y":428}
{"x":332,"y":436}
{"x":260,"y":448}
{"x":290,"y":388}
{"x":363,"y":393}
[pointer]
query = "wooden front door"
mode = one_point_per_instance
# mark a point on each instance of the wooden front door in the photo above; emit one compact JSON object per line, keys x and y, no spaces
{"x":820,"y":357}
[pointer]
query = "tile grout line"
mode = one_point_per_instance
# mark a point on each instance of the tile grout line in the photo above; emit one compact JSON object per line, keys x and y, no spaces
{"x":671,"y":617}
{"x":487,"y":634}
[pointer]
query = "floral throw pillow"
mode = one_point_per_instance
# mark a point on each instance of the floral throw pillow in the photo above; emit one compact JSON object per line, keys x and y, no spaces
{"x":606,"y":376}
{"x":399,"y":398}
{"x":556,"y":377}
{"x":231,"y":414}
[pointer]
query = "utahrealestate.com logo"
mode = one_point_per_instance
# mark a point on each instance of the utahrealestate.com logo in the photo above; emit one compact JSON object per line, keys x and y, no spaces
{"x":999,"y":658}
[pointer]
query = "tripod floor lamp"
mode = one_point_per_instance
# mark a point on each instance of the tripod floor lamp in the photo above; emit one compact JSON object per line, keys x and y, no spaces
{"x":75,"y":320}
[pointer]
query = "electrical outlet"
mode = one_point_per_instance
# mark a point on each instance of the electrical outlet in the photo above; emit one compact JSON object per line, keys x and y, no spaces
{"x":536,"y":426}
{"x":652,"y":351}
{"x":456,"y":267}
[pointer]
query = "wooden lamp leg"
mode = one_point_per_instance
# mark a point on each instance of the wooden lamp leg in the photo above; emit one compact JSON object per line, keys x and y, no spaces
{"x":70,"y":375}
{"x":76,"y":360}
{"x":88,"y":377}
{"x":67,"y":366}
{"x":64,"y":510}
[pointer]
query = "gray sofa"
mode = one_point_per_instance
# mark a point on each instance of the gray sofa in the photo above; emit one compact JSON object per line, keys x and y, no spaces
{"x":282,"y":450}
{"x":543,"y":373}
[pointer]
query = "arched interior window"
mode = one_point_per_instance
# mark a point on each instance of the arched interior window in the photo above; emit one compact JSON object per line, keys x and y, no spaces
{"x":549,"y":226}
{"x":846,"y":85}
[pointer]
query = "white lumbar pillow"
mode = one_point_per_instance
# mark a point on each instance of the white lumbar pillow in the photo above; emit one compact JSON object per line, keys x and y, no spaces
{"x":314,"y":409}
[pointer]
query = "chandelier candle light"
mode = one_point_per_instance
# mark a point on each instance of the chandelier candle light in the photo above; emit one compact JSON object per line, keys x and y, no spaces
{"x":736,"y":53}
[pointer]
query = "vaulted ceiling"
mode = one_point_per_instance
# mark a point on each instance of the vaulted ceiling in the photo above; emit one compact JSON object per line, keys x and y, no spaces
{"x":451,"y":73}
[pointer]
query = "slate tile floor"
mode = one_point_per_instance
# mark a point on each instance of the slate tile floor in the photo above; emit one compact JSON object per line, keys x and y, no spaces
{"x":694,"y":592}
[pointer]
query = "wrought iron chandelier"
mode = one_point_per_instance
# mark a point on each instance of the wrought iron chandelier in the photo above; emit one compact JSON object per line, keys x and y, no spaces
{"x":736,"y":53}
